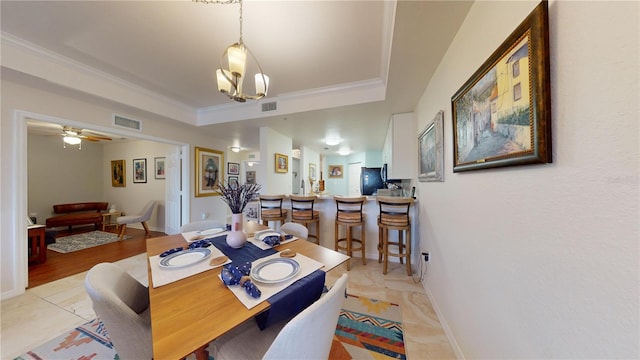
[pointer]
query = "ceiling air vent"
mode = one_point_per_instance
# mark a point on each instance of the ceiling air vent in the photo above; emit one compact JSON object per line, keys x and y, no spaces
{"x":127,"y":123}
{"x":271,"y":106}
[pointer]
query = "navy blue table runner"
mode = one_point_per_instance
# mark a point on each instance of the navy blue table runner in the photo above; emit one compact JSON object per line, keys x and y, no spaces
{"x":288,"y":302}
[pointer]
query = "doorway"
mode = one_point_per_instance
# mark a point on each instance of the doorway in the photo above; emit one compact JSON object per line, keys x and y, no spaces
{"x":176,"y":205}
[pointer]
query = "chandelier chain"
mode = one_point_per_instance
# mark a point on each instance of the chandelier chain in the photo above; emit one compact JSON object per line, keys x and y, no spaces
{"x":240,"y":1}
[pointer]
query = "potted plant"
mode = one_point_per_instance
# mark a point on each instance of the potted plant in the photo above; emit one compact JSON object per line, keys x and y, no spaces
{"x":237,"y":196}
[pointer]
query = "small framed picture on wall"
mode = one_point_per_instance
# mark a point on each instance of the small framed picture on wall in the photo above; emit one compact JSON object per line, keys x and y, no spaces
{"x":233,"y":168}
{"x":139,"y":170}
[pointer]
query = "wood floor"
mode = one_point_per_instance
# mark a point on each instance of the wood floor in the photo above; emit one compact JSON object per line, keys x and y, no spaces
{"x":60,"y":265}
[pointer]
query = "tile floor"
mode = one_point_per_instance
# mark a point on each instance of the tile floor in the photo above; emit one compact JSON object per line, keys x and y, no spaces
{"x":46,"y":311}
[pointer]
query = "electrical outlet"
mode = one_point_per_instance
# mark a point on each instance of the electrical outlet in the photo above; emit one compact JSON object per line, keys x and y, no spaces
{"x":426,"y":256}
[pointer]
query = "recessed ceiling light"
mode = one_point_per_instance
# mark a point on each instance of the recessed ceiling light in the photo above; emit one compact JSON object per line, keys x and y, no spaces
{"x":344,"y":151}
{"x":332,"y":141}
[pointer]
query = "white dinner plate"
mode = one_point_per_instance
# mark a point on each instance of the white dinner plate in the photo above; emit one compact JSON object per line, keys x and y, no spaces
{"x":275,"y":270}
{"x":185,"y":258}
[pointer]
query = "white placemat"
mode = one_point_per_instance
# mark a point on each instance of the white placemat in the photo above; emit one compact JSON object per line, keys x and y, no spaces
{"x":307,"y":266}
{"x":191,"y":236}
{"x":163,"y":276}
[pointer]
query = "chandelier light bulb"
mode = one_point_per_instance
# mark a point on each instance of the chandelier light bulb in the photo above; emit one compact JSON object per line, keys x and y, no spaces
{"x":230,"y":77}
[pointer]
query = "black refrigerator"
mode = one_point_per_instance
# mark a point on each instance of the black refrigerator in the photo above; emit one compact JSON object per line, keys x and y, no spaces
{"x":370,"y":181}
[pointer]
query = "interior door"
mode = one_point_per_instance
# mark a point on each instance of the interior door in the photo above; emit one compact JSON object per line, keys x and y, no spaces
{"x":174,"y":191}
{"x":354,"y":179}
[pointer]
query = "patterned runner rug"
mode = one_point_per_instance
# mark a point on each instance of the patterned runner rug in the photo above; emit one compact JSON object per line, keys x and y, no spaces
{"x":67,"y":244}
{"x":367,"y":329}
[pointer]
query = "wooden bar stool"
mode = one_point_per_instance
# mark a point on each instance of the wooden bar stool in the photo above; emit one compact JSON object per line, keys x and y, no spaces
{"x":349,"y":214}
{"x":302,"y":213}
{"x":271,"y":209}
{"x":394,"y":215}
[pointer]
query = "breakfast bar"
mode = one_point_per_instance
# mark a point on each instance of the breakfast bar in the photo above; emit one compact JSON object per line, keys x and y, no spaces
{"x":326,"y":206}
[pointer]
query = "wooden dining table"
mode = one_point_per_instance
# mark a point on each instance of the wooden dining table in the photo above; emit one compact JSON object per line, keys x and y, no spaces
{"x":189,"y":313}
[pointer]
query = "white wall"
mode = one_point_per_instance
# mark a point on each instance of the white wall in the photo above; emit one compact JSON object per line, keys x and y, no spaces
{"x":272,"y":142}
{"x":134,"y":196}
{"x":308,"y":156}
{"x":542,"y":261}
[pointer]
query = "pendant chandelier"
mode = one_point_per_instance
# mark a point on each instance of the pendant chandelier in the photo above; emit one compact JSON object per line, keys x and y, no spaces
{"x":231,"y":77}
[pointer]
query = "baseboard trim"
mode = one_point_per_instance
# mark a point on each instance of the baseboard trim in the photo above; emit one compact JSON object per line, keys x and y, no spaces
{"x":443,"y":322}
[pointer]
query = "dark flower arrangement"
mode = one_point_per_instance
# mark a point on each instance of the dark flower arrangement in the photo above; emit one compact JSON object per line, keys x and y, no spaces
{"x":237,"y":196}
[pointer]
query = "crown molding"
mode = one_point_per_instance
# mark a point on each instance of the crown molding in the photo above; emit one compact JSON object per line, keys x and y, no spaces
{"x":31,"y":59}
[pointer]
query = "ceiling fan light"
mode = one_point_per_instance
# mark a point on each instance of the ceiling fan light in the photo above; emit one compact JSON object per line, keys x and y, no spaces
{"x":71,"y":140}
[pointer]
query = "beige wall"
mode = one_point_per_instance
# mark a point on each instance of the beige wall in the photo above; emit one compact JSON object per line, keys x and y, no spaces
{"x":542,"y":261}
{"x":60,"y":175}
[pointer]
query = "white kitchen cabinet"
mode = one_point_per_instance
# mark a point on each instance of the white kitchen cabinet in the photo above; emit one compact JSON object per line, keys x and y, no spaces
{"x":399,"y":151}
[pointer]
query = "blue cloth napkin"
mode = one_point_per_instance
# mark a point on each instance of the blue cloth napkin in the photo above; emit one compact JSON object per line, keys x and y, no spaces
{"x":288,"y":302}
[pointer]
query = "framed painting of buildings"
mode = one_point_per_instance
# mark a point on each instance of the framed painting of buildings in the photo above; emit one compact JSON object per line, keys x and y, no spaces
{"x":502,"y":114}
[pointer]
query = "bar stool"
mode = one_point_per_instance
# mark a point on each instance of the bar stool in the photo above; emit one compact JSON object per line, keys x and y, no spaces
{"x":302,"y":213}
{"x":349,"y":214}
{"x":394,"y":215}
{"x":271,"y":209}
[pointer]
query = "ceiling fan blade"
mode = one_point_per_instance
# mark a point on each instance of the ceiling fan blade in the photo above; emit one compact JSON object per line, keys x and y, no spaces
{"x":95,"y":137}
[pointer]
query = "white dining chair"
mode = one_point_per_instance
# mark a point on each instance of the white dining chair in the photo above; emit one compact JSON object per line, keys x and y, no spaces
{"x":122,"y":304}
{"x":202,"y":225}
{"x":141,"y":217}
{"x":295,"y":229}
{"x":308,"y":335}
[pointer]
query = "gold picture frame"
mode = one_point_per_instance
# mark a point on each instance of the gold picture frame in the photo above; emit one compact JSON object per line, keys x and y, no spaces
{"x":209,"y":168}
{"x":502,"y":114}
{"x":336,"y":171}
{"x":118,"y":173}
{"x":281,"y":163}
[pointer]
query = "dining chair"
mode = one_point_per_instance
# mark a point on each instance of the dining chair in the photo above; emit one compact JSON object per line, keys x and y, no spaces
{"x":308,"y":335}
{"x":122,"y":304}
{"x":141,"y":217}
{"x":295,"y":229}
{"x":202,"y":225}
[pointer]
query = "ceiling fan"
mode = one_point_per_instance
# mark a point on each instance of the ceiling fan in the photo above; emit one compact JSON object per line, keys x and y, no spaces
{"x":73,"y":136}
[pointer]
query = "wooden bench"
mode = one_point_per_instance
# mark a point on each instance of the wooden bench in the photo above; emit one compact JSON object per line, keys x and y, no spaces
{"x":78,"y":214}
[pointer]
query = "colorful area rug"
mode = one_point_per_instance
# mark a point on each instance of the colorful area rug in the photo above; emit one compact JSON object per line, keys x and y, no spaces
{"x":67,"y":244}
{"x":367,"y":329}
{"x":88,"y":341}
